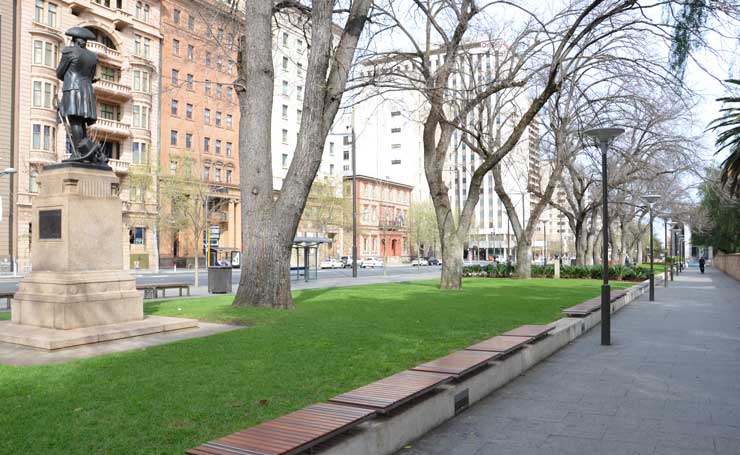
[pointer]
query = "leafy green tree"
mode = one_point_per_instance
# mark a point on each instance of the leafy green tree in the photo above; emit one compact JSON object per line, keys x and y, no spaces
{"x":728,"y":127}
{"x":717,"y":221}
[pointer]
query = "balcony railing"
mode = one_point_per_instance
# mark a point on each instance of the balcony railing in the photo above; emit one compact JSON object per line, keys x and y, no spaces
{"x":42,"y":157}
{"x":113,"y":89}
{"x":104,"y":51}
{"x":111,"y":127}
{"x":119,"y":166}
{"x":122,"y":19}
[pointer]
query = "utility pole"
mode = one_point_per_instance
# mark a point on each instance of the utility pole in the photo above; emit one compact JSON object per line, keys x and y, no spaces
{"x":354,"y":198}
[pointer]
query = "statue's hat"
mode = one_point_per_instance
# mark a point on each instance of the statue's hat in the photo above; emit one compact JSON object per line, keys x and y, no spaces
{"x":80,"y":32}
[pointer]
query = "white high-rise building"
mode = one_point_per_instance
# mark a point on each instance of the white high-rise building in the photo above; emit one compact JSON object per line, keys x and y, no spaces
{"x":389,"y":130}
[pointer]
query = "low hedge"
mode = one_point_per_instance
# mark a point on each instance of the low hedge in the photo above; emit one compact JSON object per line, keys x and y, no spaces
{"x":616,"y":272}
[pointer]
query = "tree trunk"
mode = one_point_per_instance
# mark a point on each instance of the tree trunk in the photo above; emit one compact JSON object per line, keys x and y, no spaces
{"x":452,"y":263}
{"x":265,"y":277}
{"x":196,"y":280}
{"x":524,"y":258}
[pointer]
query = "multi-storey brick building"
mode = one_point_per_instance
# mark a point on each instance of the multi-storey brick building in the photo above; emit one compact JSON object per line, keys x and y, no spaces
{"x":127,"y":44}
{"x":200,"y":118}
{"x":199,"y":127}
{"x":7,"y":137}
{"x":382,"y":214}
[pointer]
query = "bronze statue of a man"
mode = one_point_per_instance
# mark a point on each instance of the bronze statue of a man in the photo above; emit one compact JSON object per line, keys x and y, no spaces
{"x":77,"y":108}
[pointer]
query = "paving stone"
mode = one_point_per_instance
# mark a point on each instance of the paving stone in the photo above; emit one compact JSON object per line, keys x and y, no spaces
{"x":669,"y":385}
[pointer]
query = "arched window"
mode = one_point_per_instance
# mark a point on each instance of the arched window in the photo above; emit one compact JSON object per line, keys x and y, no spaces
{"x":102,"y":38}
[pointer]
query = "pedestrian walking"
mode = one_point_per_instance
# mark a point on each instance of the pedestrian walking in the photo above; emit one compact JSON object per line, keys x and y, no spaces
{"x":701,"y":264}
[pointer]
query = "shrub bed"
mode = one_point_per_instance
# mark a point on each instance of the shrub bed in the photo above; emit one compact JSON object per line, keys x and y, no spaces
{"x":616,"y":272}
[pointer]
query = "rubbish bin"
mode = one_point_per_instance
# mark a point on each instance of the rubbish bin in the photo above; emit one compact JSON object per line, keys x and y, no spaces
{"x":219,"y":280}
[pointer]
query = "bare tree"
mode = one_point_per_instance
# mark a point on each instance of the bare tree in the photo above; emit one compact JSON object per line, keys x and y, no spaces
{"x":534,"y":59}
{"x":271,"y":221}
{"x":187,"y":204}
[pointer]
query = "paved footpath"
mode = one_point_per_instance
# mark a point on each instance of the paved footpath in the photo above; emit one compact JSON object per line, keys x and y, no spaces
{"x":668,"y":385}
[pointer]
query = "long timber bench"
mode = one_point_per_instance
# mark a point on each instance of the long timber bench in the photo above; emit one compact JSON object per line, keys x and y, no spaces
{"x":151,"y":291}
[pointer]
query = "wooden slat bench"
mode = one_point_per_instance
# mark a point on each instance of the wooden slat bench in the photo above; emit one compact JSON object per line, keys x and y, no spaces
{"x":502,"y":345}
{"x":290,"y":434}
{"x":151,"y":291}
{"x":394,"y":391}
{"x":6,"y":295}
{"x":459,"y":363}
{"x":535,"y":332}
{"x":591,"y":305}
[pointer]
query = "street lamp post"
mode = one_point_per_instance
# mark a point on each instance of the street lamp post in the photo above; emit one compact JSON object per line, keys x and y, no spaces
{"x":651,"y":199}
{"x":665,"y":252}
{"x":604,"y":136}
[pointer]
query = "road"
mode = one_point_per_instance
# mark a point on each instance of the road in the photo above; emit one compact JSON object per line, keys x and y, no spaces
{"x":336,"y":276}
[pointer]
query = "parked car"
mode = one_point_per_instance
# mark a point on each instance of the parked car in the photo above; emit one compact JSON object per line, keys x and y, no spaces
{"x":539,"y":261}
{"x":371,"y":262}
{"x":434,"y":261}
{"x":419,"y":262}
{"x":331,"y":263}
{"x":347,"y":261}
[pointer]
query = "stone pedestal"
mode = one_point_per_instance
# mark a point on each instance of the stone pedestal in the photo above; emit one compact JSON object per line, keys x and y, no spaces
{"x":78,"y":281}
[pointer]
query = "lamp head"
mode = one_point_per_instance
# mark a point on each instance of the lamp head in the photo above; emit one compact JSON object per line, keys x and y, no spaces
{"x":651,"y":198}
{"x":9,"y":170}
{"x":603,"y":134}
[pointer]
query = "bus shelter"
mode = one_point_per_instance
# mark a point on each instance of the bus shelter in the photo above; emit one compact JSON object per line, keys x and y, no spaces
{"x":304,"y":261}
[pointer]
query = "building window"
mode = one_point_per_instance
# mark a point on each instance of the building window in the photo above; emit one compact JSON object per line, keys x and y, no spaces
{"x":218,"y":118}
{"x":107,"y":111}
{"x":285,"y":64}
{"x":331,"y":149}
{"x":207,"y":116}
{"x":299,"y":70}
{"x":173,"y":137}
{"x":230,"y":67}
{"x":46,"y":13}
{"x":33,"y":184}
{"x":285,"y":161}
{"x":189,"y":111}
{"x":173,"y":167}
{"x":395,"y":162}
{"x":331,"y":169}
{"x":218,"y":146}
{"x":176,"y":47}
{"x":108,"y":74}
{"x":218,"y":174}
{"x":228,"y":148}
{"x":285,"y":39}
{"x":285,"y":112}
{"x":142,"y":46}
{"x":191,"y":22}
{"x":299,"y":92}
{"x":298,"y":116}
{"x":220,"y":35}
{"x":285,"y":136}
{"x":206,"y":144}
{"x":176,"y":16}
{"x":188,"y":141}
{"x":206,"y":173}
{"x":190,"y":52}
{"x":395,"y":130}
{"x":219,"y":63}
{"x":189,"y":82}
{"x":175,"y":77}
{"x":299,"y":46}
{"x":228,"y":175}
{"x":141,"y":81}
{"x":396,"y":146}
{"x":43,"y":137}
{"x":141,"y":116}
{"x":395,"y":113}
{"x":229,"y":121}
{"x":219,"y":90}
{"x":208,"y":59}
{"x":43,"y":94}
{"x":44,"y":53}
{"x":207,"y":87}
{"x":139,"y":153}
{"x":137,"y":235}
{"x":346,"y":154}
{"x":173,"y":107}
{"x":285,"y":88}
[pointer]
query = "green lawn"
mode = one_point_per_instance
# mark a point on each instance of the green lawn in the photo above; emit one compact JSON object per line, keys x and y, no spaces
{"x":165,"y":399}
